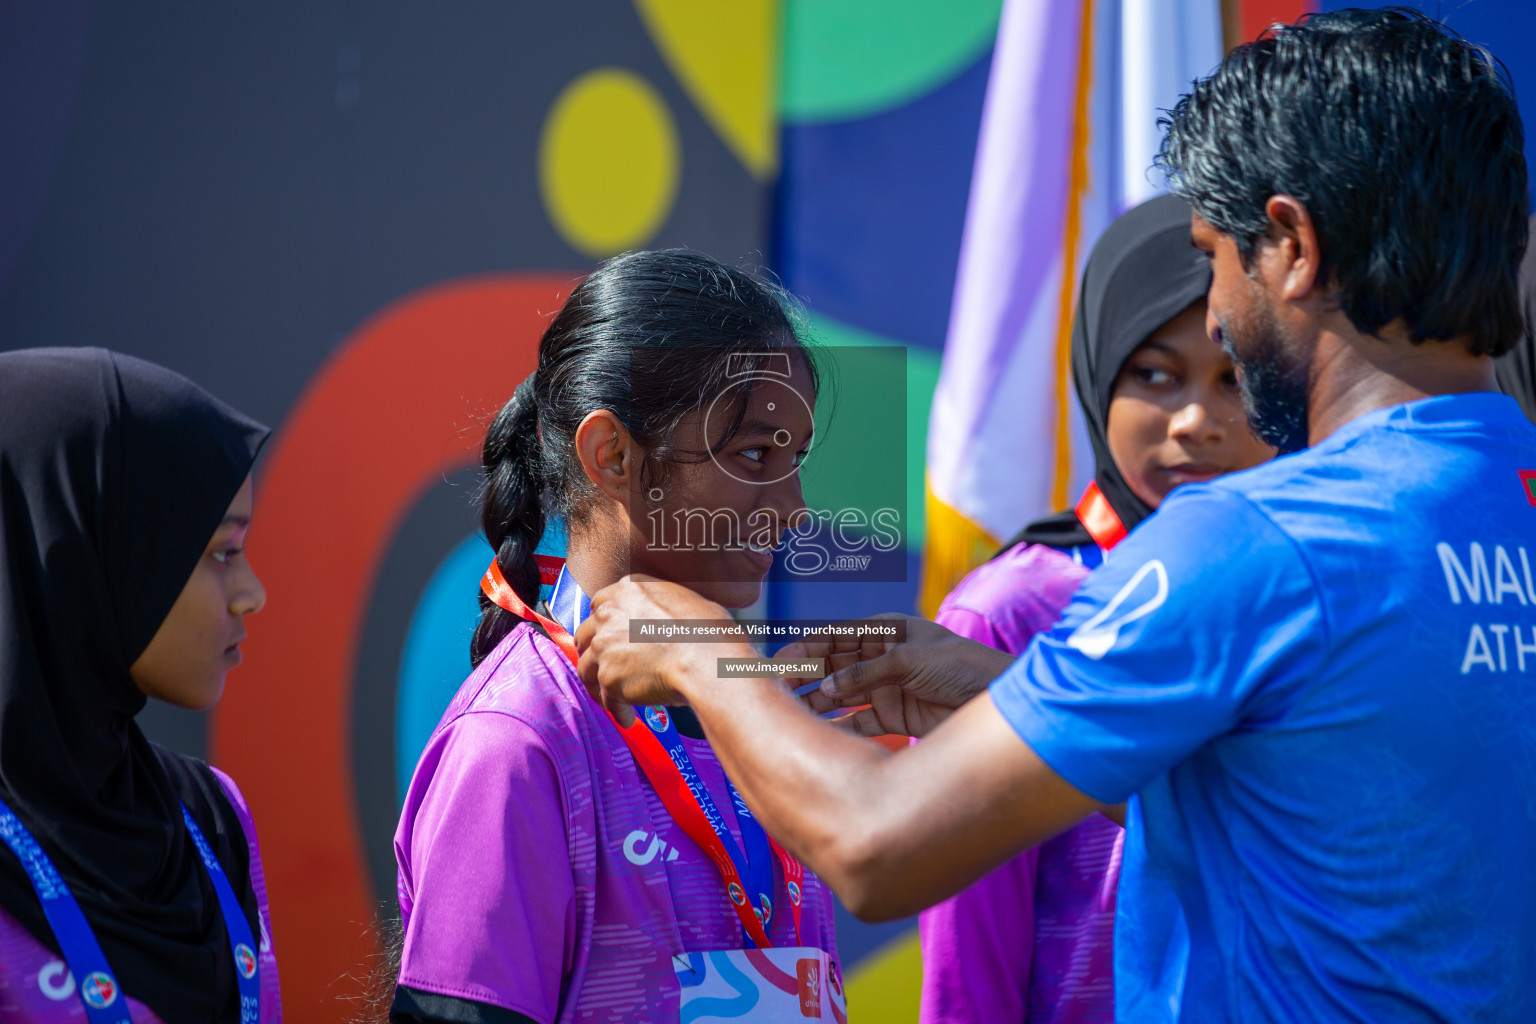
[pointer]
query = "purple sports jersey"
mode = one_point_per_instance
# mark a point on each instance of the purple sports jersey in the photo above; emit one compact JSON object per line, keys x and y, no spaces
{"x":37,"y":988}
{"x":1032,"y":941}
{"x":539,"y":871}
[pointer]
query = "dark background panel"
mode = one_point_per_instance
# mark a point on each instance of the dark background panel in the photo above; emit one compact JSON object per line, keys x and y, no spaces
{"x":870,"y":211}
{"x":240,"y":186}
{"x":442,"y":517}
{"x":233,"y":190}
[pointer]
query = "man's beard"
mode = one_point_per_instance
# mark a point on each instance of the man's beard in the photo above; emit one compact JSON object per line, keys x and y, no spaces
{"x":1273,"y":383}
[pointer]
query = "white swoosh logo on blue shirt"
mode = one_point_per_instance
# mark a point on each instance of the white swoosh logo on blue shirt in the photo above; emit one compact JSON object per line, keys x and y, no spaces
{"x":1097,"y":636}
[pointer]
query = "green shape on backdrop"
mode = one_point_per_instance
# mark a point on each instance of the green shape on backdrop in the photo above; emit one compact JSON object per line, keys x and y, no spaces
{"x":853,"y":58}
{"x":882,"y":396}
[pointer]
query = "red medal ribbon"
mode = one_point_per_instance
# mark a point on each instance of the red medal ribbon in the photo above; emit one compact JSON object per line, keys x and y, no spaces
{"x":495,"y":586}
{"x":658,"y":768}
{"x":794,"y":882}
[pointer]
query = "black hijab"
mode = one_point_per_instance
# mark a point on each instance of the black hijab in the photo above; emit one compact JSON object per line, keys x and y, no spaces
{"x":114,"y":474}
{"x":1517,"y":369}
{"x":1142,"y":273}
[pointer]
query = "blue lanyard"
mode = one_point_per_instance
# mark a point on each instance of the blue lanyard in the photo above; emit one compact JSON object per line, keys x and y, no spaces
{"x":242,"y":944}
{"x":569,"y":606}
{"x":97,"y":986}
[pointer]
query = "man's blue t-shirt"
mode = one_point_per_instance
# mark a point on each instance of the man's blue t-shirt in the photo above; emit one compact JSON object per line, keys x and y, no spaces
{"x":1316,"y":681}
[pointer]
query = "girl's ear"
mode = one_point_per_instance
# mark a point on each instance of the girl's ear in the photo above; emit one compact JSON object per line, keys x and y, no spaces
{"x":609,"y":455}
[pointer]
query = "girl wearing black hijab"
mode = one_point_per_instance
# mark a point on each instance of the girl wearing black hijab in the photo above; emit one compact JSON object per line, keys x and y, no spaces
{"x":1032,"y":941}
{"x":130,"y":881}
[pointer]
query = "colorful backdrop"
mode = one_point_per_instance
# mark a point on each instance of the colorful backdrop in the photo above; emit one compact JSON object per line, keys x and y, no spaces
{"x":351,"y":220}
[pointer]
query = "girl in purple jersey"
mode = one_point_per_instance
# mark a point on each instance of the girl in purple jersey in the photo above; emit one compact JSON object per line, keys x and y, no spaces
{"x":541,"y":876}
{"x":1033,"y":940}
{"x":125,"y":497}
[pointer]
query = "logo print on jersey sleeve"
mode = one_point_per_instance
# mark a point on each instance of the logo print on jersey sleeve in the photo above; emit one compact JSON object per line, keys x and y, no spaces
{"x":99,"y":990}
{"x":633,"y":854}
{"x":55,"y":981}
{"x":1097,"y":636}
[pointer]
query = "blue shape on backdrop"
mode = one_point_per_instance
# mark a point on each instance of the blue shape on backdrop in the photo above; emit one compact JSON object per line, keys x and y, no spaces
{"x":869,"y":212}
{"x":434,"y":660}
{"x":1505,"y":27}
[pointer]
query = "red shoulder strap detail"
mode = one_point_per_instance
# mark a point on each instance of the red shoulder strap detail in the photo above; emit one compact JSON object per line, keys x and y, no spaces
{"x":1099,"y":519}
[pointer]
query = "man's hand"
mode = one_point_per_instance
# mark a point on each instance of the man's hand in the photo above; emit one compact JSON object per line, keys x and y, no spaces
{"x":891,"y":712}
{"x":620,"y":673}
{"x":910,"y":687}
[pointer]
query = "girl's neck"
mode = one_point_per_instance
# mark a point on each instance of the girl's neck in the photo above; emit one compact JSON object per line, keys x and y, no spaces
{"x":591,"y":564}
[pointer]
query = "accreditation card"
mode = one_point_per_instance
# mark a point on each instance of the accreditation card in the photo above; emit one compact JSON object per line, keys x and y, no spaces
{"x":785,"y":985}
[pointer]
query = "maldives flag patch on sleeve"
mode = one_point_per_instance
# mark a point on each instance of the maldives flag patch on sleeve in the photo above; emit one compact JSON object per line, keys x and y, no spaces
{"x":1528,"y":481}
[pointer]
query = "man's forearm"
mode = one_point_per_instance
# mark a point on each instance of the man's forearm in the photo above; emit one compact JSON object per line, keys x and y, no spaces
{"x":890,"y":833}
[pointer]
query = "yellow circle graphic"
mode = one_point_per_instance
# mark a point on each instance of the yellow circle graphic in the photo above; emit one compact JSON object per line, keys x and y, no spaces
{"x":608,"y":162}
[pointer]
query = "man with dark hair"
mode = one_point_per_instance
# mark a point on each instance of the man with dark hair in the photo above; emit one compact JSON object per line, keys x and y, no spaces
{"x":1415,"y":232}
{"x":1312,"y":683}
